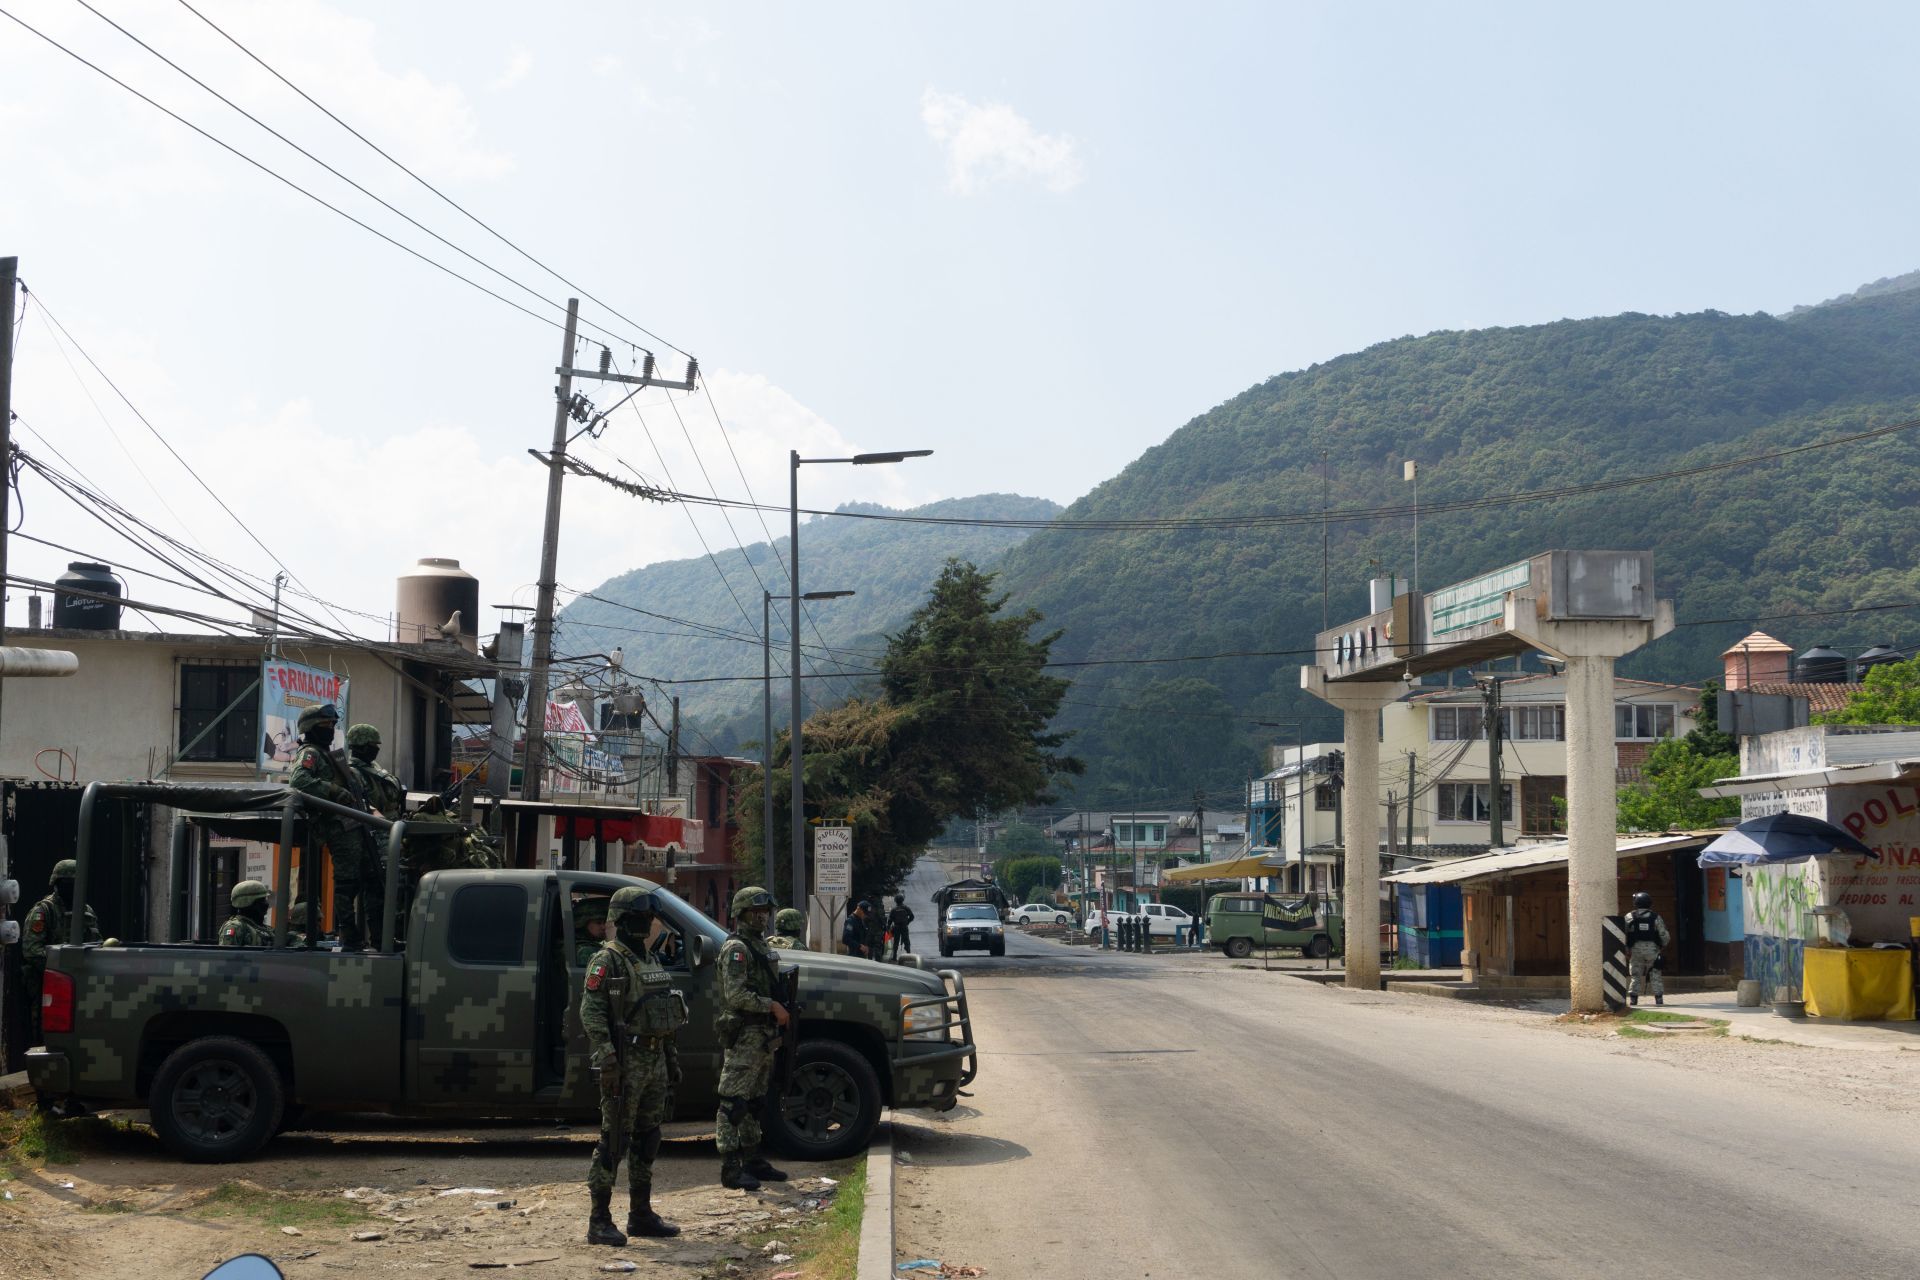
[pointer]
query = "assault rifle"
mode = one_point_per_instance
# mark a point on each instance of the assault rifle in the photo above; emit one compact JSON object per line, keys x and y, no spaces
{"x":616,"y":1139}
{"x":789,"y":988}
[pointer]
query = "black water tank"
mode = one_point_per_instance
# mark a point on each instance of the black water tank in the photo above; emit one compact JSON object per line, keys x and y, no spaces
{"x":1820,"y":665}
{"x":1878,"y":656}
{"x":80,"y":612}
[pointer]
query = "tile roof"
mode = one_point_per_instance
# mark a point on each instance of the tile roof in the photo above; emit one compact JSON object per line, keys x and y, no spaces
{"x":1758,"y":642}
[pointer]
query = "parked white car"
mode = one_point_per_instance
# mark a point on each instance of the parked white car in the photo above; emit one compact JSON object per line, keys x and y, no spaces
{"x":1163,"y":921}
{"x":1041,"y":913}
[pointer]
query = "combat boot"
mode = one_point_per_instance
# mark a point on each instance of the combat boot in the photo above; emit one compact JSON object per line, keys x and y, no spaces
{"x":600,"y":1228}
{"x":756,"y":1164}
{"x":732,"y":1175}
{"x":1634,"y":998}
{"x":1659,"y":999}
{"x":641,"y":1219}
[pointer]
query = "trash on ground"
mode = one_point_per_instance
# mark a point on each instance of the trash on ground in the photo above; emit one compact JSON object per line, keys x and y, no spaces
{"x":368,"y":1237}
{"x":468,"y":1191}
{"x":919,"y":1264}
{"x":524,"y":1260}
{"x":779,"y":1258}
{"x":771,"y":1246}
{"x":621,"y":1265}
{"x":291,"y":1231}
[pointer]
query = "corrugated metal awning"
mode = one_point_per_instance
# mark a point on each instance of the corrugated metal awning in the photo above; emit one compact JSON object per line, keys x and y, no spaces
{"x":1759,"y":784}
{"x":1508,"y":861}
{"x":1232,"y":869}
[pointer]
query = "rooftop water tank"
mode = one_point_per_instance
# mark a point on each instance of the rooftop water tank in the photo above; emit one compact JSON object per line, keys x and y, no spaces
{"x":439,"y":601}
{"x":1820,"y":665}
{"x":81,"y":612}
{"x":1878,"y":656}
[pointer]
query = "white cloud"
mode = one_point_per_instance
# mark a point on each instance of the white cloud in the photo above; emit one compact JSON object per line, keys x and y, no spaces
{"x":517,"y":68}
{"x":991,"y":142}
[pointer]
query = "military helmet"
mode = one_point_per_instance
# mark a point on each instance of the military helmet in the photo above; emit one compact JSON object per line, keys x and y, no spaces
{"x":1643,"y":900}
{"x":297,"y":915}
{"x":789,"y":922}
{"x":363,"y":735}
{"x":632,"y":900}
{"x":248,"y":892}
{"x":314,"y":715}
{"x":591,"y":909}
{"x":752,"y":898}
{"x":65,"y":869}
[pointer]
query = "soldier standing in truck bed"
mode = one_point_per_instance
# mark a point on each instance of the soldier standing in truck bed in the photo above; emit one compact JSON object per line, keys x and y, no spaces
{"x":359,"y":879}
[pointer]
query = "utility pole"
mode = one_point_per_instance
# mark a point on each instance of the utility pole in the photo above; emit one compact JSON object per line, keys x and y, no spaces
{"x":1496,"y":826}
{"x":1326,"y":553}
{"x":673,"y":754}
{"x":566,"y":408}
{"x":1412,"y":757}
{"x":9,"y":282}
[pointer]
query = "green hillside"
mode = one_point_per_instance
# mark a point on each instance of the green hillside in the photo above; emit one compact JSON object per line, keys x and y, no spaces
{"x":1486,"y":412}
{"x":889,"y":565}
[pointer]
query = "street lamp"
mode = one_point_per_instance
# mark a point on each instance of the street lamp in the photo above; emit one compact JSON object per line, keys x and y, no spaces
{"x":799,"y":816}
{"x":766,"y":714}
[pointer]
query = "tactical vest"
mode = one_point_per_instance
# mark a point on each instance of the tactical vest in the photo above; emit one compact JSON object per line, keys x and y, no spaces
{"x":1641,"y":927}
{"x":660,"y":1012}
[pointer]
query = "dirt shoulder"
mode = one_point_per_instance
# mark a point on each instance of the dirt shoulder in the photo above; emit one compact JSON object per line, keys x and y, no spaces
{"x":372,"y":1198}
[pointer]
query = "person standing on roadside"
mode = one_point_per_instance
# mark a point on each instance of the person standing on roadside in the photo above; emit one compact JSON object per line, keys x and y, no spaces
{"x":898,"y":921}
{"x":1647,"y":937}
{"x":853,"y":934}
{"x":751,"y":1019}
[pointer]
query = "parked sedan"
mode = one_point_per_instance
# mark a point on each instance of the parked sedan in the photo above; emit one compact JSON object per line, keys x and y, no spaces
{"x":1040,"y":913}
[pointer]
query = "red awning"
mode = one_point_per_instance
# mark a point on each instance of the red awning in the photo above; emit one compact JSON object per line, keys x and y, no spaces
{"x":651,"y":829}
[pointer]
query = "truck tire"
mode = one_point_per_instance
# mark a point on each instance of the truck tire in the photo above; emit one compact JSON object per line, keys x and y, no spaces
{"x":1321,"y":947}
{"x":832,"y":1107}
{"x":1239,"y":948}
{"x":216,"y":1099}
{"x":999,"y":949}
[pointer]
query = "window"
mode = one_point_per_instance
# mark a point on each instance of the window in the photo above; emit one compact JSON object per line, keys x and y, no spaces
{"x":1140,"y":832}
{"x":205,"y":692}
{"x":1642,"y":721}
{"x":1535,"y":724}
{"x":1522,"y":723}
{"x":488,"y":925}
{"x":1471,"y":802}
{"x":1325,"y":797}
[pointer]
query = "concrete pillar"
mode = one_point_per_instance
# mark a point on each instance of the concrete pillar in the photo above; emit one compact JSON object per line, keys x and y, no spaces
{"x":1359,"y":704}
{"x":1593,"y":868}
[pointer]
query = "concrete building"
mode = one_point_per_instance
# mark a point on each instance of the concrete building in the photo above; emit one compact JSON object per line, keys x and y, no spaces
{"x":1444,"y":732}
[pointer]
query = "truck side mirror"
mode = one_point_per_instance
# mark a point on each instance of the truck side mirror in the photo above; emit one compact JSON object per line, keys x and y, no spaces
{"x":699,"y":952}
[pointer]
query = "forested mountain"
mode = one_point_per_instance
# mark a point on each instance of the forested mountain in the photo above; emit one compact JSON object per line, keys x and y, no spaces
{"x":890,"y":565}
{"x":1486,"y":412}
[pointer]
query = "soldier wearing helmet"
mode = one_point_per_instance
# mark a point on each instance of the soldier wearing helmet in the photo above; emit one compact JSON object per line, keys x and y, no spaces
{"x":630,"y":1014}
{"x":359,"y":872}
{"x":247,"y":926}
{"x":789,"y":929}
{"x":298,"y":917}
{"x":384,"y":791}
{"x":750,"y":1023}
{"x":589,"y":929}
{"x":1647,"y":937}
{"x":46,"y":925}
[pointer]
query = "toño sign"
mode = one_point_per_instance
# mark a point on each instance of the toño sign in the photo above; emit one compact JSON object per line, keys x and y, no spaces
{"x":287,"y":689}
{"x":833,"y":861}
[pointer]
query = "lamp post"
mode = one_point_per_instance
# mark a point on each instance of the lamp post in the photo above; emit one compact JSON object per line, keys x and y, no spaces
{"x":795,"y":462}
{"x":766,"y":737}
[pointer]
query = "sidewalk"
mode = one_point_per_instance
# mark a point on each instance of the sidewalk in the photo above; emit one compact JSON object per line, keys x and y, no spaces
{"x":1764,"y":1024}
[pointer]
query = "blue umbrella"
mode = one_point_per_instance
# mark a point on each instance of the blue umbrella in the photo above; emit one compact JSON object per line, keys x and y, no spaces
{"x":1781,"y":838}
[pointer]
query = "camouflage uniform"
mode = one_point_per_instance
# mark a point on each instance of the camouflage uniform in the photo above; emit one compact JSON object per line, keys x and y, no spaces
{"x":627,"y":989}
{"x":586,"y":946}
{"x":384,"y":792}
{"x":46,"y":925}
{"x":297,"y":917}
{"x":246,"y":927}
{"x":750,"y":1037}
{"x":1647,"y":937}
{"x":359,"y":877}
{"x":790,"y":930}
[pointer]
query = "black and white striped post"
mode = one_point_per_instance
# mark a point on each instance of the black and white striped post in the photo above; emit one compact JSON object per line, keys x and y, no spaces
{"x":1613,"y":962}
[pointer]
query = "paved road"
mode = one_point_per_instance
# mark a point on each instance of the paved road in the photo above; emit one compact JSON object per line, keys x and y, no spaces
{"x":928,"y":876}
{"x":1184,"y":1117}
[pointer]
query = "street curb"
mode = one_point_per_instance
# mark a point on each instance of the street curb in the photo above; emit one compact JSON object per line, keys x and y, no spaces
{"x":876,"y":1216}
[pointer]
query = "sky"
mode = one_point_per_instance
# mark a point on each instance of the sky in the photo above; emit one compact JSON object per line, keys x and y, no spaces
{"x":1034,"y":238}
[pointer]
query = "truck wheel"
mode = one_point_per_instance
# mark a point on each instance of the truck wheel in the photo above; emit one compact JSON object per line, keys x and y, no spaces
{"x":1000,"y":950}
{"x":216,"y":1099}
{"x":831,"y":1108}
{"x":1321,"y":947}
{"x":1239,"y":948}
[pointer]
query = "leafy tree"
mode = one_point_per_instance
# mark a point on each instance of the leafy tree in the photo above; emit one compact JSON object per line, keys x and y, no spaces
{"x":1021,"y":876}
{"x":1891,"y":696}
{"x":1668,"y":798}
{"x":961,"y":725}
{"x":1705,"y":737}
{"x":1017,"y":839}
{"x":1040,"y":894}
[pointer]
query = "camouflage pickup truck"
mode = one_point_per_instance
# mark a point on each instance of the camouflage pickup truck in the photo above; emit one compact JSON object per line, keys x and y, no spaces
{"x":225,"y":1047}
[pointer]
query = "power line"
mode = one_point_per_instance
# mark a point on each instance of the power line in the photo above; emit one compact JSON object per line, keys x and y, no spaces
{"x":456,"y":205}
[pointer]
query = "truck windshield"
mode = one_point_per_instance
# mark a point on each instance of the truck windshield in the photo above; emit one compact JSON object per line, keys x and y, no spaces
{"x":973,"y":913}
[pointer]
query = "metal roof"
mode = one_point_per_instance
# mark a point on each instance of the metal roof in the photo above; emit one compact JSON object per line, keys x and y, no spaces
{"x":1530,"y":857}
{"x":1757,"y":784}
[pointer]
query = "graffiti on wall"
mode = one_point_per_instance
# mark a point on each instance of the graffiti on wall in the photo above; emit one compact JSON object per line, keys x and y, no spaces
{"x":1774,"y":963}
{"x":1777,"y":900}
